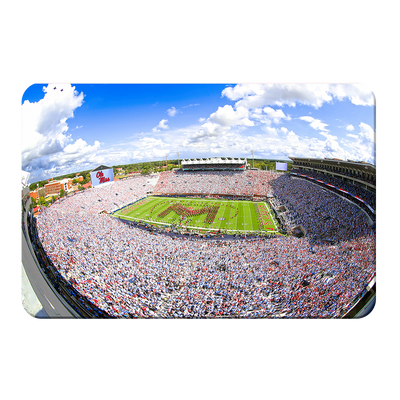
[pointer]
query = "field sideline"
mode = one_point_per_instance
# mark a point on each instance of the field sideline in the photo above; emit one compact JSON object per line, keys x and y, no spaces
{"x":202,"y":214}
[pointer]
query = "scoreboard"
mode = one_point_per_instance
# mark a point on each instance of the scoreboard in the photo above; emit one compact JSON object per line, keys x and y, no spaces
{"x":103,"y":176}
{"x":281,"y":166}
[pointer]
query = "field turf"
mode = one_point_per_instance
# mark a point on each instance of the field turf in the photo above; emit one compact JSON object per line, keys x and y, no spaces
{"x":202,"y":214}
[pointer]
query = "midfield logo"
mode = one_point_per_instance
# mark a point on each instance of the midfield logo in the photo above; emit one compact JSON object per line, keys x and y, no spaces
{"x":211,"y":212}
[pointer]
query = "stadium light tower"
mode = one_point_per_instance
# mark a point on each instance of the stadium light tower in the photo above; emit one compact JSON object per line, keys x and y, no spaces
{"x":178,"y":159}
{"x":252,"y":153}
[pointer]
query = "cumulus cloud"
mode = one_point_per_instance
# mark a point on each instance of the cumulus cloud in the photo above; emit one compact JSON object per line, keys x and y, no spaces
{"x":162,"y":125}
{"x":316,"y":124}
{"x":172,"y":111}
{"x":267,"y":116}
{"x":362,"y":144}
{"x":151,"y":150}
{"x":47,"y":145}
{"x":315,"y":95}
{"x":44,"y":127}
{"x":350,"y":128}
{"x":227,"y":116}
{"x":204,"y":136}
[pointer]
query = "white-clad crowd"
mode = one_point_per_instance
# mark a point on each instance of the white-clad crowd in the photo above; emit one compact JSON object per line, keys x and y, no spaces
{"x":322,"y":213}
{"x":356,"y":190}
{"x":128,"y":272}
{"x":233,"y":183}
{"x":108,"y":197}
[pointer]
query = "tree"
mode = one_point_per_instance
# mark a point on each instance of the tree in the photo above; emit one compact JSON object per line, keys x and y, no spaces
{"x":33,"y":202}
{"x":62,"y":193}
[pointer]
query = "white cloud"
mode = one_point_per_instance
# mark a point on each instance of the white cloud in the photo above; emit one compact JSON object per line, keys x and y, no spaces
{"x":162,"y":125}
{"x":315,"y":95}
{"x":47,"y":147}
{"x":362,"y":144}
{"x":172,"y":111}
{"x":208,"y":132}
{"x":150,"y":149}
{"x":227,"y":116}
{"x":366,"y":132}
{"x":350,"y":128}
{"x":44,"y":127}
{"x":275,"y":115}
{"x":316,"y":124}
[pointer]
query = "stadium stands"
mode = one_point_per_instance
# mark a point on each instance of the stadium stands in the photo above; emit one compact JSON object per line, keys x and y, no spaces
{"x":128,"y":272}
{"x":224,"y":183}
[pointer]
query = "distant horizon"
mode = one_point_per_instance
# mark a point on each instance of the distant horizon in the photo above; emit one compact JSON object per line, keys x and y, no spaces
{"x":68,"y":128}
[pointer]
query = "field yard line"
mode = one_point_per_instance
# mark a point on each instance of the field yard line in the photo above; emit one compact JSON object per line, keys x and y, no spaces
{"x":237,"y":207}
{"x":244,"y":216}
{"x":251,"y":208}
{"x":271,"y":215}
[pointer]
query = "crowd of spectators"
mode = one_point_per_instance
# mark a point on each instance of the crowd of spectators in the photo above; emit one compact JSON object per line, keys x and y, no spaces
{"x":323,"y":214}
{"x":233,"y":183}
{"x":109,"y":197}
{"x":130,"y":272}
{"x":367,"y":195}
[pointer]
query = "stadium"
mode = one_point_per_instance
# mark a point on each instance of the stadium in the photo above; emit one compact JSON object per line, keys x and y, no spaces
{"x":211,"y":239}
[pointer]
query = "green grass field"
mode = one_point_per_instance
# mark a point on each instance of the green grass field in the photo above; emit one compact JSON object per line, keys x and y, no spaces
{"x":202,"y":214}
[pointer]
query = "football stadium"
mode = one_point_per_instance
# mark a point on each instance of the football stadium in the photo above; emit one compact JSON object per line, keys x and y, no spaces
{"x":211,"y":239}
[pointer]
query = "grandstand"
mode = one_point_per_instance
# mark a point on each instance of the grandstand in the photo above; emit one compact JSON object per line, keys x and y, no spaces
{"x":355,"y":181}
{"x":215,"y":164}
{"x":353,"y":172}
{"x":103,"y":267}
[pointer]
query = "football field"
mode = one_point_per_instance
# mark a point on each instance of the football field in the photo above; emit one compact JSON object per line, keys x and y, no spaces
{"x":202,"y":214}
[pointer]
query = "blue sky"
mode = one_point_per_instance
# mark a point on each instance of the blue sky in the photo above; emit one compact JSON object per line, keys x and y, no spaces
{"x":74,"y":127}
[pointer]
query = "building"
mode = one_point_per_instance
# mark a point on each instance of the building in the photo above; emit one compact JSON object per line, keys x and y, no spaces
{"x":40,"y":192}
{"x":53,"y":188}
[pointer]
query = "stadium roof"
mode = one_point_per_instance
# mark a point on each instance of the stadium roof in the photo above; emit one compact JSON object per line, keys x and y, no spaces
{"x":214,"y":160}
{"x":354,"y":165}
{"x":100,"y":168}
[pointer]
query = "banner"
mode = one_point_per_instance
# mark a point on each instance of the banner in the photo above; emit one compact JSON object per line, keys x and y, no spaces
{"x":99,"y":177}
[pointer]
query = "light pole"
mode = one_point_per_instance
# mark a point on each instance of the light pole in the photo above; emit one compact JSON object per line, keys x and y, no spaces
{"x":178,"y":160}
{"x":252,"y":153}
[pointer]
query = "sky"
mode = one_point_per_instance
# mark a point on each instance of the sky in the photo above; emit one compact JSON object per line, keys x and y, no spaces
{"x":73,"y":127}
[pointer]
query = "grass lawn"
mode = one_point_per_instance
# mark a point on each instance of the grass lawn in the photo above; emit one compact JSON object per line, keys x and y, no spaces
{"x":202,"y":214}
